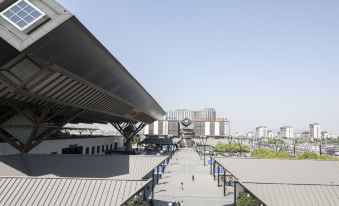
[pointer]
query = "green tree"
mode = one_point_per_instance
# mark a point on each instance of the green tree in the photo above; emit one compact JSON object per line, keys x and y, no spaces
{"x":269,"y":154}
{"x":245,"y":199}
{"x":135,"y":201}
{"x":308,"y":155}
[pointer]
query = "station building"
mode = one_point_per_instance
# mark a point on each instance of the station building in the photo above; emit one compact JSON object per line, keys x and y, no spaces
{"x":53,"y":72}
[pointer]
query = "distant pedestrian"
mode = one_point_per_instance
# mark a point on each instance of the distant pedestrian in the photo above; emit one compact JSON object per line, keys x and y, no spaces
{"x":193,"y":178}
{"x":181,"y":186}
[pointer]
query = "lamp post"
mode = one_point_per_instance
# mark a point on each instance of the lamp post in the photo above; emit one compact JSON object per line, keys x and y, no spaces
{"x":229,"y":138}
{"x":205,"y":149}
{"x":294,"y":141}
{"x":320,"y":146}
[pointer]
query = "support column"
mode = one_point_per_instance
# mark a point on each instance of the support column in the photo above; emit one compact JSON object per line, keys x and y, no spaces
{"x":218,"y":175}
{"x":153,"y":186}
{"x":213,"y":170}
{"x":235,"y":193}
{"x":224,"y":182}
{"x":157,"y":174}
{"x":211,"y":165}
{"x":163,"y":169}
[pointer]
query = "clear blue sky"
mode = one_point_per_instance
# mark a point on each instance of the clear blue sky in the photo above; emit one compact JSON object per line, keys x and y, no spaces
{"x":270,"y":62}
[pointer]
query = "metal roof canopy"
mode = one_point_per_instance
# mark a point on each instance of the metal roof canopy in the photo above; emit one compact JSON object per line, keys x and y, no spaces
{"x":131,"y":167}
{"x":286,"y":182}
{"x":67,"y":191}
{"x":60,"y":73}
{"x":294,"y":194}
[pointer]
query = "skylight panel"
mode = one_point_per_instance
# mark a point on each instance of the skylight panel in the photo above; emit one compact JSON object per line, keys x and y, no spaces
{"x":22,"y":14}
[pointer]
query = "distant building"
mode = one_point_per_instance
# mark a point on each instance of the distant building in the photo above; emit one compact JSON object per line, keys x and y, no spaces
{"x":214,"y":128}
{"x":325,"y":135}
{"x":162,"y":127}
{"x":249,"y":135}
{"x":305,"y":135}
{"x":287,"y":132}
{"x":180,"y":114}
{"x":200,"y":114}
{"x":270,"y":134}
{"x":206,"y":114}
{"x":261,"y":132}
{"x":315,"y":131}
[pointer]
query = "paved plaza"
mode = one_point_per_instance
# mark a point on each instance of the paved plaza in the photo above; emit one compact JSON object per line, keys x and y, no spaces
{"x":202,"y":192}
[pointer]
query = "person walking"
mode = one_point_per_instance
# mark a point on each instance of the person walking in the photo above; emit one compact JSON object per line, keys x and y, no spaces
{"x":193,"y":178}
{"x":182,"y":186}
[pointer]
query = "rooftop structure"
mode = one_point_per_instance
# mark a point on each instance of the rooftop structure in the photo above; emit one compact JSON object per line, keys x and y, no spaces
{"x":133,"y":167}
{"x":53,"y":71}
{"x":285,"y":182}
{"x":67,"y":191}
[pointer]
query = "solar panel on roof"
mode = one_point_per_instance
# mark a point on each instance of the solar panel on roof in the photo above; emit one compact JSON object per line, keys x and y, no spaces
{"x":22,"y":14}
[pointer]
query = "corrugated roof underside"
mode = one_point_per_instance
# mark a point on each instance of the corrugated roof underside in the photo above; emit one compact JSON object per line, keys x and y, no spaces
{"x":62,"y":191}
{"x":107,"y":166}
{"x":301,"y":195}
{"x":283,"y":171}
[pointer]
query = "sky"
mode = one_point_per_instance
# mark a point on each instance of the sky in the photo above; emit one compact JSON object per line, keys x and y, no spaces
{"x":262,"y":62}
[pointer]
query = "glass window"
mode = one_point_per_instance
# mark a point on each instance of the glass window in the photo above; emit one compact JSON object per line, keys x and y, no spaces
{"x":15,"y":9}
{"x":21,"y":23}
{"x":29,"y":9}
{"x":22,"y":14}
{"x":35,"y":14}
{"x":22,"y":4}
{"x":8,"y":13}
{"x":15,"y":18}
{"x":28,"y":19}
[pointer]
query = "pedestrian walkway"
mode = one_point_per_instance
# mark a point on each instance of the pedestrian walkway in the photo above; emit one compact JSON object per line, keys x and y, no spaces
{"x":202,"y":191}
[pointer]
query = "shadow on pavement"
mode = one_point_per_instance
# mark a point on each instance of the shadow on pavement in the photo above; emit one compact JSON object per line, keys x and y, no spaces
{"x":160,"y":203}
{"x":160,"y":191}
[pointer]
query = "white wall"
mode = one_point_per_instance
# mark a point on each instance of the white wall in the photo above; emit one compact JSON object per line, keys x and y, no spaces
{"x":165,"y":127}
{"x":217,"y":128}
{"x":207,"y":128}
{"x":49,"y":146}
{"x":156,"y":127}
{"x":146,"y":129}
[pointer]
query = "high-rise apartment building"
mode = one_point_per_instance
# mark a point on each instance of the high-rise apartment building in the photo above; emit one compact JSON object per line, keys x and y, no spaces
{"x":206,"y":114}
{"x":315,"y":131}
{"x":261,"y":132}
{"x":180,"y":114}
{"x":287,"y":132}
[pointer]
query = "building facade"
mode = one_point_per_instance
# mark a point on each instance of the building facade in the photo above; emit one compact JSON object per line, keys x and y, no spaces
{"x":270,"y":134}
{"x":206,"y":114}
{"x":286,"y":132}
{"x":162,"y":127}
{"x":93,"y":145}
{"x":217,"y":128}
{"x":261,"y":132}
{"x":212,"y":128}
{"x":315,"y":131}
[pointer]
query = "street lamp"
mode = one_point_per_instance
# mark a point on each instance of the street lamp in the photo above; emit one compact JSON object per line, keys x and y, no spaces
{"x":204,"y":149}
{"x":320,"y":145}
{"x":294,"y":142}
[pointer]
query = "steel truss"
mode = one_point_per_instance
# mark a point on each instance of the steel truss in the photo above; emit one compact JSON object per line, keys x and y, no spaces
{"x":128,"y":129}
{"x":40,"y":121}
